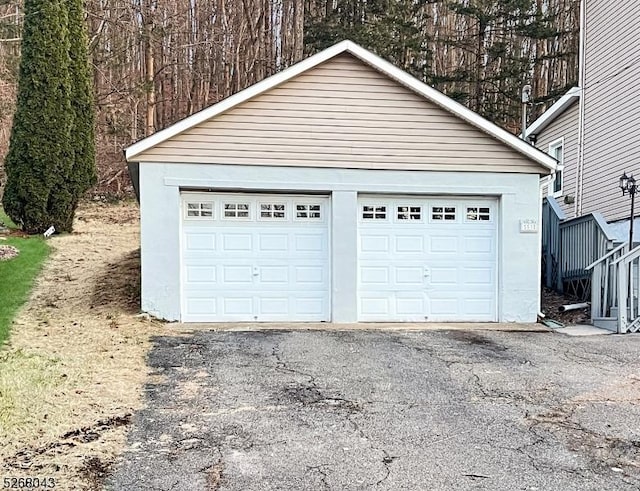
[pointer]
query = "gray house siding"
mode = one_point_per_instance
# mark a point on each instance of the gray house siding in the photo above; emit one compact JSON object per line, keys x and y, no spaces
{"x":566,"y":127}
{"x":612,"y":105}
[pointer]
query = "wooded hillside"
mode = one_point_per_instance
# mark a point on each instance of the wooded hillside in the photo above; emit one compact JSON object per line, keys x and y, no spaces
{"x":157,"y":61}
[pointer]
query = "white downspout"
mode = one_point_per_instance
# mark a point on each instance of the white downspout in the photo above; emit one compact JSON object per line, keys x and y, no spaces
{"x":577,"y":210}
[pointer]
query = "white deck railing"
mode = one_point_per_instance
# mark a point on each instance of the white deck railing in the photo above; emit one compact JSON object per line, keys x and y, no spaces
{"x":604,"y":287}
{"x":628,"y":298}
{"x":615,"y":303}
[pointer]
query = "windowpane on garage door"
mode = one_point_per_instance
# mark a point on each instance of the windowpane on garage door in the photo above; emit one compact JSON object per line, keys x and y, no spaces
{"x":443,"y":269}
{"x":256,"y":262}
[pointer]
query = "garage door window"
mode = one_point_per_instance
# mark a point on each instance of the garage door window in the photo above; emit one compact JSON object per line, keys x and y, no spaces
{"x":476,"y":213}
{"x":236,"y":210}
{"x":409,"y":213}
{"x":308,"y":212}
{"x":427,"y":261}
{"x":200,"y":210}
{"x":443,"y":213}
{"x":259,"y":262}
{"x":374,"y":212}
{"x":273,"y":211}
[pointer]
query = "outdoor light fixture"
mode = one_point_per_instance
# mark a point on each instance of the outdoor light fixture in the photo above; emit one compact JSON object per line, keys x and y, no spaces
{"x":628,"y":186}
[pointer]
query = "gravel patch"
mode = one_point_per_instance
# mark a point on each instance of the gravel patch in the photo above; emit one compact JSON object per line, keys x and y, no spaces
{"x":8,"y":252}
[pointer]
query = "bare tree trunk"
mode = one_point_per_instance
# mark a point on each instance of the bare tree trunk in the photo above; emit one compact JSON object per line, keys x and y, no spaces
{"x":149,"y":58}
{"x":157,"y":61}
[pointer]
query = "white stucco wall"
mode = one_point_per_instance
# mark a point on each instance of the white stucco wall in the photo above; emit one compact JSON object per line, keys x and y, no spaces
{"x":519,"y":199}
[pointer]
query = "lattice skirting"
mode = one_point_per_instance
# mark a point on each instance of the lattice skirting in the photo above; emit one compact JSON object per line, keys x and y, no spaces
{"x":579,"y":288}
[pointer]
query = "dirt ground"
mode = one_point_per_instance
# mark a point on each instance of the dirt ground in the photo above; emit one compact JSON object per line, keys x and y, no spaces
{"x":72,"y":373}
{"x":552,"y":301}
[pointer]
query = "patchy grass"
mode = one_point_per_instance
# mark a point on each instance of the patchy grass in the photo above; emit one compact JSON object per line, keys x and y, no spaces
{"x":17,"y":276}
{"x":26,"y":382}
{"x":74,"y":369}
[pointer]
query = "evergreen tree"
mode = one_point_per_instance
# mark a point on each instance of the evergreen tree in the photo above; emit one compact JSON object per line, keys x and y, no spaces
{"x":478,"y":52}
{"x":498,"y":67}
{"x":393,"y":29}
{"x":39,"y":158}
{"x":83,"y":172}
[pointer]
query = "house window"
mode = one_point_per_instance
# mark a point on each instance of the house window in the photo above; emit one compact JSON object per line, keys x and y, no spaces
{"x":409,"y":212}
{"x":200,"y":209}
{"x":273,"y":210}
{"x":443,"y":213}
{"x":374,"y":212}
{"x":556,"y":150}
{"x":308,"y":212}
{"x":236,"y":210}
{"x":475,"y":213}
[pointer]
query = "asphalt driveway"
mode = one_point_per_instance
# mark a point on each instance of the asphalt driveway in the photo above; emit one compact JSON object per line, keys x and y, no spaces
{"x":431,"y":410}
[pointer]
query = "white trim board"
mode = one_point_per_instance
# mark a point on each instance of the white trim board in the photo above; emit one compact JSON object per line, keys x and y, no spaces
{"x":558,"y":143}
{"x":551,"y":114}
{"x":370,"y":59}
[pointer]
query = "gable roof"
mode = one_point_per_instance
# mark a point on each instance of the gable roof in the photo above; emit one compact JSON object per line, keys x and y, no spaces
{"x":370,"y":59}
{"x":554,"y":112}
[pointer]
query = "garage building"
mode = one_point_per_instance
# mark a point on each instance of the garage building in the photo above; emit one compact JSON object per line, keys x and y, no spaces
{"x":341,"y":190}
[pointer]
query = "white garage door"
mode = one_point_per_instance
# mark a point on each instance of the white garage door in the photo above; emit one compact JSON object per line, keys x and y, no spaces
{"x":249,"y":257}
{"x":431,"y":259}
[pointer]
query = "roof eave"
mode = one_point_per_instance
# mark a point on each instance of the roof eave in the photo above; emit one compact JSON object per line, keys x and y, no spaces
{"x":370,"y":59}
{"x":235,"y":99}
{"x":555,"y":111}
{"x":454,"y":107}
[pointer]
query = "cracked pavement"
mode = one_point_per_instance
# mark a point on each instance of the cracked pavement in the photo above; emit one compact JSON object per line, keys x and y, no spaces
{"x":388,"y":410}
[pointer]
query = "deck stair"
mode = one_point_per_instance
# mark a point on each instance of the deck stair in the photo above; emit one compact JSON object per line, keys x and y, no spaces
{"x":568,"y":245}
{"x":615,"y":299}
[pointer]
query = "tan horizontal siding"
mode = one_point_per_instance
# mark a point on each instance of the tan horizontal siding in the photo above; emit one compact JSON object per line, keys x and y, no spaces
{"x":348,"y":88}
{"x":565,"y":126}
{"x":612,"y":80}
{"x":399,"y":164}
{"x":308,"y":141}
{"x":321,"y":128}
{"x":345,"y":62}
{"x":398,"y":114}
{"x":268,"y":132}
{"x":353,"y":124}
{"x":342,"y":114}
{"x":343,"y":79}
{"x":336,"y":101}
{"x":362,"y":155}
